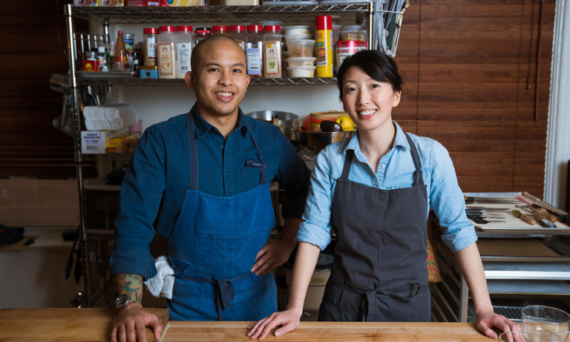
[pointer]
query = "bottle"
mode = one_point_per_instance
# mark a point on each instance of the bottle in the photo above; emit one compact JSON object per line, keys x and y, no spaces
{"x":149,"y":42}
{"x":166,"y":58}
{"x":200,"y":34}
{"x":324,"y":45}
{"x":237,"y":32}
{"x":220,"y":29}
{"x":254,"y":50}
{"x":101,"y":58}
{"x":120,"y":53}
{"x":272,"y":51}
{"x":184,"y":38}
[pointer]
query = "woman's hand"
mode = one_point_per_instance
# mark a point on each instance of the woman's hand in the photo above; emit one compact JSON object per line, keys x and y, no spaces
{"x":288,"y":319}
{"x":488,"y":320}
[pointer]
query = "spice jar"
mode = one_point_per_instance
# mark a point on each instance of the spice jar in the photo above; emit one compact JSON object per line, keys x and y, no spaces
{"x":200,"y":34}
{"x":346,"y":49}
{"x":184,"y":38}
{"x":254,"y":50}
{"x":272,"y":51}
{"x":237,"y":32}
{"x":166,"y":61}
{"x":220,"y":29}
{"x":129,"y":40}
{"x":149,"y":43}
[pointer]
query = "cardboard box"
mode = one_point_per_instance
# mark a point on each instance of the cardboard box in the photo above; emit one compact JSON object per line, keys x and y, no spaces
{"x":94,"y":142}
{"x":113,"y":3}
{"x":183,"y":3}
{"x":142,"y":3}
{"x":85,"y":2}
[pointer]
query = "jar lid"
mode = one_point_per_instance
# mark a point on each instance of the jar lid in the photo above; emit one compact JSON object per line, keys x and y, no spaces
{"x":219,"y":28}
{"x":167,"y":29}
{"x":323,"y":22}
{"x":237,"y":28}
{"x":120,"y":32}
{"x":150,"y":30}
{"x":353,"y":28}
{"x":350,"y":43}
{"x":254,"y":28}
{"x":203,"y":30}
{"x":272,"y":28}
{"x":184,"y":29}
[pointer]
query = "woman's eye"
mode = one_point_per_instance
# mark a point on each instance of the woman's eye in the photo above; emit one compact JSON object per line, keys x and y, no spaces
{"x":350,"y":90}
{"x":375,"y":85}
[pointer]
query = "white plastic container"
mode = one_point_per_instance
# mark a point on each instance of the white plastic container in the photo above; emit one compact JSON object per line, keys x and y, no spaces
{"x":301,"y":61}
{"x":184,"y":38}
{"x":298,"y":36}
{"x":301,"y":48}
{"x":352,"y":32}
{"x":301,"y":71}
{"x":166,"y":52}
{"x":299,"y":29}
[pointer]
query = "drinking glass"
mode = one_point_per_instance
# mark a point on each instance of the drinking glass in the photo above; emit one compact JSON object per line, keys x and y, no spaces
{"x":520,"y":336}
{"x":544,"y":318}
{"x":560,"y":336}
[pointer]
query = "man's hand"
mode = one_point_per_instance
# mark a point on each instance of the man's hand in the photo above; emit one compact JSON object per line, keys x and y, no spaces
{"x":488,"y":320}
{"x":288,"y":320}
{"x":131,"y":321}
{"x":275,"y":253}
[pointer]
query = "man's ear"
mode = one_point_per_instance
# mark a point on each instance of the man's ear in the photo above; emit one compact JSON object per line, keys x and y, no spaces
{"x":189,"y":78}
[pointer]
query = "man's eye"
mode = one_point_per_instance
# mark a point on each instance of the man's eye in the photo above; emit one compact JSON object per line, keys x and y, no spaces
{"x":237,"y":70}
{"x":214,"y":69}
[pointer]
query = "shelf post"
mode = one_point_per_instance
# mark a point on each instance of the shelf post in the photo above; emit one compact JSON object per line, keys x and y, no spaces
{"x":371,"y":25}
{"x":109,"y":90}
{"x":75,"y":104}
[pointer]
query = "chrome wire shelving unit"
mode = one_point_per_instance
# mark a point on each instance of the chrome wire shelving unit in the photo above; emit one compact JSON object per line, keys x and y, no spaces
{"x":136,"y":81}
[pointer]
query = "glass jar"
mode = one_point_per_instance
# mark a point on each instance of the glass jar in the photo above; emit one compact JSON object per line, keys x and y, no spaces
{"x":166,"y":49}
{"x":237,"y":32}
{"x":150,"y":35}
{"x":184,"y":38}
{"x":254,"y":50}
{"x":272,"y":51}
{"x":220,"y":29}
{"x":200,"y":34}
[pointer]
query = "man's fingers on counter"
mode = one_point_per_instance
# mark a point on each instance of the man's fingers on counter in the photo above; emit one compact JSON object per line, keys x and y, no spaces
{"x":114,"y":335}
{"x":141,"y":331}
{"x":122,"y":333}
{"x":154,"y":323}
{"x":131,"y":331}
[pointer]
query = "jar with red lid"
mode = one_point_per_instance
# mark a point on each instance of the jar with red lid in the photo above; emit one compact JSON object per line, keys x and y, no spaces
{"x":254,"y":50}
{"x":150,"y":34}
{"x":272,"y":67}
{"x":237,"y":32}
{"x":346,"y":49}
{"x":201,"y":33}
{"x":183,"y":47}
{"x":220,"y":29}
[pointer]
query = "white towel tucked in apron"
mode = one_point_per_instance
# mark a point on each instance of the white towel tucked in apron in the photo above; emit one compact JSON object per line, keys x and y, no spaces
{"x":162,"y":284}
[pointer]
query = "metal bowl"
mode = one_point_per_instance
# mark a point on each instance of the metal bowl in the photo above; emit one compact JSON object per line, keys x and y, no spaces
{"x":287,"y":121}
{"x":319,"y":140}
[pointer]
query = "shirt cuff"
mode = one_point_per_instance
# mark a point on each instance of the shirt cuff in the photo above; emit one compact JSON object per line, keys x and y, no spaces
{"x":462,"y":239}
{"x":132,"y":262}
{"x":314,"y":235}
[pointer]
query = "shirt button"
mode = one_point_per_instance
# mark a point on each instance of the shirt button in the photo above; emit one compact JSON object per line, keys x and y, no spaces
{"x":383,"y":165}
{"x":227,"y":173}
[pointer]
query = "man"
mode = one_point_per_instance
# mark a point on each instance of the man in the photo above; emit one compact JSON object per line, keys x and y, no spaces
{"x":202,"y":181}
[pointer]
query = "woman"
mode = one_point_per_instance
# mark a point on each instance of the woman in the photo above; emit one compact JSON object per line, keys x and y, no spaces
{"x":376,"y":190}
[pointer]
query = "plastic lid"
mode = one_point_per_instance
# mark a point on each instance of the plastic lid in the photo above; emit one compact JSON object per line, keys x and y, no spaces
{"x":202,"y":30}
{"x":101,"y":49}
{"x":312,"y":41}
{"x":184,"y":29}
{"x":254,"y":28}
{"x":219,"y":28}
{"x":167,"y":29}
{"x":150,"y":30}
{"x":120,"y":32}
{"x":323,"y":22}
{"x":297,"y":27}
{"x":272,"y":28}
{"x":237,"y":28}
{"x":353,"y":28}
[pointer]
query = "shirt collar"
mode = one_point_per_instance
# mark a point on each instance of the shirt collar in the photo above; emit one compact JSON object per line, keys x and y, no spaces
{"x":203,"y":127}
{"x":400,"y":141}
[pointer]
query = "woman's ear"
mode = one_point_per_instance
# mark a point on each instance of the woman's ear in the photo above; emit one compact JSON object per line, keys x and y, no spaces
{"x":397,"y":97}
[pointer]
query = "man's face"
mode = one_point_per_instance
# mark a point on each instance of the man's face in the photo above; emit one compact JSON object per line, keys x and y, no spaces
{"x":221,"y":80}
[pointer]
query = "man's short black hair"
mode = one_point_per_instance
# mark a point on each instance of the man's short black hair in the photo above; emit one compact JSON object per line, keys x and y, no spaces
{"x":375,"y":64}
{"x":210,"y":40}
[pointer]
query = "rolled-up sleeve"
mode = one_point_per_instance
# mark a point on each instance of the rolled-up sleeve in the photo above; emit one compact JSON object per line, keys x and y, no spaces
{"x":448,"y":202}
{"x":141,"y":195}
{"x":294,"y":178}
{"x":316,"y":227}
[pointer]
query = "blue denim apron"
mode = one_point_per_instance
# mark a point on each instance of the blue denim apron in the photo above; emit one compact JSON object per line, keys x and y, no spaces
{"x":213,"y":248}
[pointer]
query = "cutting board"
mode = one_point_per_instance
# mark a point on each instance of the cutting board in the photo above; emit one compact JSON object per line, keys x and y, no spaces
{"x":63,"y":325}
{"x":328,"y":332}
{"x":514,"y":248}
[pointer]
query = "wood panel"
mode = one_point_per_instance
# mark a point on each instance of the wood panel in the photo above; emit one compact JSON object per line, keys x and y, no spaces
{"x":474,"y":90}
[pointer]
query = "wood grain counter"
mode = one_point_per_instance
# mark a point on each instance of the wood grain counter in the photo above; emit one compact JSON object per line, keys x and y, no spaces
{"x":81,"y":325}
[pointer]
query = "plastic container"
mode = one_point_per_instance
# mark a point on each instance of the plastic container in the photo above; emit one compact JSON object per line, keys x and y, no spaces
{"x":270,"y":23}
{"x":353,"y":32}
{"x":301,"y":61}
{"x":166,"y":50}
{"x":272,"y":52}
{"x":295,"y":30}
{"x":301,"y":71}
{"x":298,"y":36}
{"x":184,"y":39}
{"x":220,"y":29}
{"x":150,"y":35}
{"x":201,"y":33}
{"x":301,"y":48}
{"x":237,"y":32}
{"x":336,"y":33}
{"x":254,"y":50}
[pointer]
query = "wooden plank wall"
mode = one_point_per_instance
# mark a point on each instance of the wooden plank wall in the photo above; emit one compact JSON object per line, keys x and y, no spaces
{"x":469,"y":72}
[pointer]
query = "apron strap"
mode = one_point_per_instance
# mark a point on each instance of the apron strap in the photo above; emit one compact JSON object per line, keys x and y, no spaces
{"x":418,"y":175}
{"x":263,"y":168}
{"x":347,"y":164}
{"x":193,"y":150}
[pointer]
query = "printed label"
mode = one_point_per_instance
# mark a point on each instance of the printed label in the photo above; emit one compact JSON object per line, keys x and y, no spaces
{"x":355,"y":36}
{"x":273,"y":58}
{"x":307,"y":63}
{"x":184,"y":52}
{"x":165,"y":59}
{"x":151,"y":48}
{"x":254,"y":61}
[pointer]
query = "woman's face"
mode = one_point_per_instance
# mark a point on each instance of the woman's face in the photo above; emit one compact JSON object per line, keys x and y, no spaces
{"x":368,"y":102}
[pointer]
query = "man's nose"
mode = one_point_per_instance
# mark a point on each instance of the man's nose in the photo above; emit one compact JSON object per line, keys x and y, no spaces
{"x":226,"y":78}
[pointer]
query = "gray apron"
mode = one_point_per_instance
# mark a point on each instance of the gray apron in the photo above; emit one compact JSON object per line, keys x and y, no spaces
{"x":379,"y":273}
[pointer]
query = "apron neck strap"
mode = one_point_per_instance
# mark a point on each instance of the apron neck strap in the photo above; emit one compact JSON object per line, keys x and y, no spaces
{"x":418,"y":175}
{"x":347,"y":164}
{"x":193,"y":151}
{"x":263,"y":168}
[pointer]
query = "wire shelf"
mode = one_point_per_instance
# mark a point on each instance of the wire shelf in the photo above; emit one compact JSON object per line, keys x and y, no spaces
{"x":286,"y":13}
{"x":108,"y":156}
{"x":136,"y":81}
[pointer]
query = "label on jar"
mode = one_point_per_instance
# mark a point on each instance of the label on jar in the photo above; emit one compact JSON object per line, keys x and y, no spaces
{"x":354,"y":36}
{"x":254,"y":61}
{"x":151,"y":48}
{"x":165,"y":60}
{"x":129,"y":42}
{"x":272,"y":58}
{"x":343,"y":52}
{"x":183,"y":54}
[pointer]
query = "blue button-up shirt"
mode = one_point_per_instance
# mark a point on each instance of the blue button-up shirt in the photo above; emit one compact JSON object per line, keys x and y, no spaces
{"x":395,"y":170}
{"x":155,"y":185}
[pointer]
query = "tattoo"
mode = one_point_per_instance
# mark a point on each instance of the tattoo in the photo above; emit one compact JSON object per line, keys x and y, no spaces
{"x":131,"y":285}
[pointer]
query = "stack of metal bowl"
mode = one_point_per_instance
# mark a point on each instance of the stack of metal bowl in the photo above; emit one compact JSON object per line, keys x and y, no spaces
{"x":287,"y":121}
{"x":319,"y":140}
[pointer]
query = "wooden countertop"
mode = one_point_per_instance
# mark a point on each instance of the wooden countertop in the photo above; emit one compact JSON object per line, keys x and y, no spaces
{"x":94,"y":325}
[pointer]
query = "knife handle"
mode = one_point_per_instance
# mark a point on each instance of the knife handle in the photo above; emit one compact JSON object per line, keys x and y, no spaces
{"x":541,"y":214}
{"x":524,"y":217}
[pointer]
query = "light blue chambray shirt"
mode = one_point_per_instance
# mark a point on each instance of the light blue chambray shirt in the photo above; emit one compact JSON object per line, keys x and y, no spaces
{"x":396,"y":170}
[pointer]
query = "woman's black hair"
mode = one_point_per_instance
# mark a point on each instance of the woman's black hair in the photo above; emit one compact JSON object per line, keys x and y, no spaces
{"x":375,"y":64}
